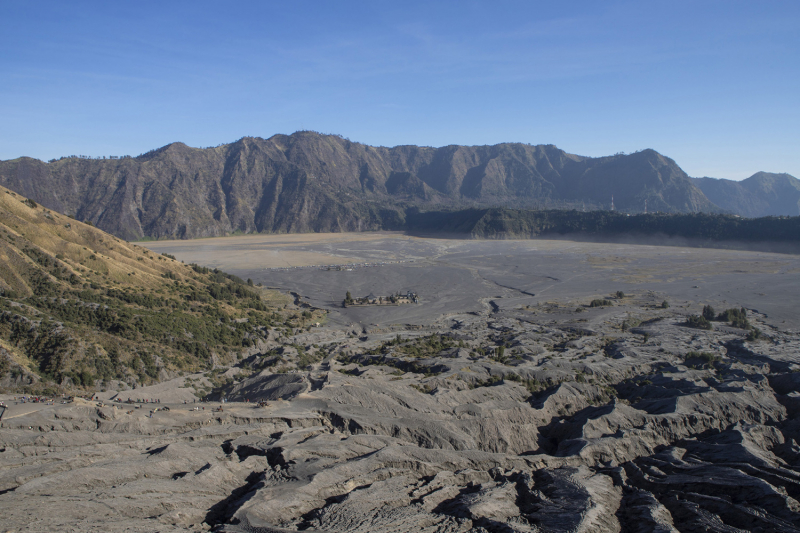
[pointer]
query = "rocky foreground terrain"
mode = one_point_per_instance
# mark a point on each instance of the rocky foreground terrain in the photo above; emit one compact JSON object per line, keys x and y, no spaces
{"x":545,"y":418}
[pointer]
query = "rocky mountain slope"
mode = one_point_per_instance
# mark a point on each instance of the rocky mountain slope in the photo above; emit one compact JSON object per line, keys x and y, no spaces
{"x":312,"y":182}
{"x":82,"y":308}
{"x":762,"y":194}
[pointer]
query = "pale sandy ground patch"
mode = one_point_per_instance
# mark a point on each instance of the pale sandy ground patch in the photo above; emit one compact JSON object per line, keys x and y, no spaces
{"x":464,"y":275}
{"x":267,"y":251}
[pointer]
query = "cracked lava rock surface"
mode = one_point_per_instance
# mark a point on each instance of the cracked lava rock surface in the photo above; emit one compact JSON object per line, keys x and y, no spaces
{"x":617,"y":418}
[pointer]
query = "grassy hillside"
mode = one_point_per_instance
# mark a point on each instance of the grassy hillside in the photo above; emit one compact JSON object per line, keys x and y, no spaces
{"x":80,"y":307}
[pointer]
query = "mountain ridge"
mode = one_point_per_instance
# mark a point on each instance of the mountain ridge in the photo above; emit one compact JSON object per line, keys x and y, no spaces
{"x":762,"y":194}
{"x":312,"y":182}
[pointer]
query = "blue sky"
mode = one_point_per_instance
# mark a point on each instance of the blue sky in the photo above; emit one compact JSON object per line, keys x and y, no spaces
{"x":714,"y":85}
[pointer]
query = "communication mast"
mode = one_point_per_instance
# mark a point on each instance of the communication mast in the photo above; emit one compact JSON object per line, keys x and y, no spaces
{"x":645,"y":206}
{"x":612,"y":202}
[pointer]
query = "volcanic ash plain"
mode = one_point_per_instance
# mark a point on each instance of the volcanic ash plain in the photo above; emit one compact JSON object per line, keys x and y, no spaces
{"x":511,"y":417}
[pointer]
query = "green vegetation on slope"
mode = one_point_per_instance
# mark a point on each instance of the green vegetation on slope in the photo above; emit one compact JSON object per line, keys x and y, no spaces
{"x":79,"y":306}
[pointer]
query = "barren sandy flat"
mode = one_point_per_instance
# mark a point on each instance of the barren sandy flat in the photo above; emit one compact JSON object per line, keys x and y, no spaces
{"x":454,"y":275}
{"x":265,"y":251}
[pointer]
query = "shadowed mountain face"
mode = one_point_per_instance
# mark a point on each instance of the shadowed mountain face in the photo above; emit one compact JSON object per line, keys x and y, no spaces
{"x":313,"y":182}
{"x":762,"y":194}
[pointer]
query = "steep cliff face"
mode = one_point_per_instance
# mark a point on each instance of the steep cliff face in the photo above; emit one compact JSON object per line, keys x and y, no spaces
{"x":312,"y":182}
{"x":762,"y":194}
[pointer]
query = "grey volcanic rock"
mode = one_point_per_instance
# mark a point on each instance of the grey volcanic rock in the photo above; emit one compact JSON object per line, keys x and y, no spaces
{"x":267,"y":386}
{"x":311,"y":182}
{"x":596,"y":429}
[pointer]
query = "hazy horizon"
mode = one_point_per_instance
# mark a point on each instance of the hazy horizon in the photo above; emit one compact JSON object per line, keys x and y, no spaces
{"x":708,"y":84}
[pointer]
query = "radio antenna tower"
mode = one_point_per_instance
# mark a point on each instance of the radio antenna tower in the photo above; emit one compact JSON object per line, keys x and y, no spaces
{"x":645,"y":206}
{"x":612,"y":202}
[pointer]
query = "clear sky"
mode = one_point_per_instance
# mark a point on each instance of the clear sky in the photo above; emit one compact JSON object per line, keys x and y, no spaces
{"x":715,"y":85}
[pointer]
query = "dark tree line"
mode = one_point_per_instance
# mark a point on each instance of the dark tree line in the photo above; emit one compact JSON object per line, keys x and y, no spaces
{"x":501,"y":222}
